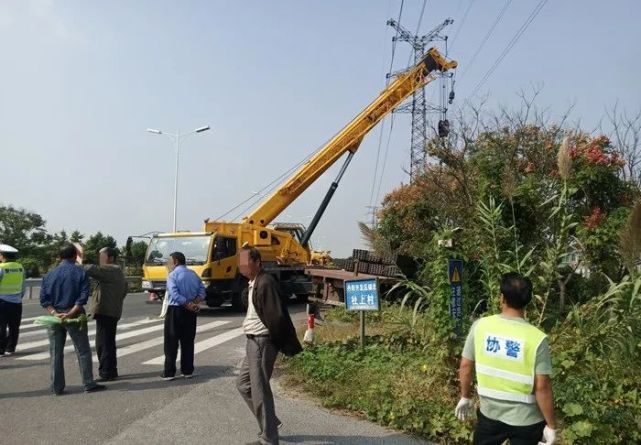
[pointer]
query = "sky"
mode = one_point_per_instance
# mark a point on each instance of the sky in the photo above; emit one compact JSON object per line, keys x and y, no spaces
{"x":82,"y":81}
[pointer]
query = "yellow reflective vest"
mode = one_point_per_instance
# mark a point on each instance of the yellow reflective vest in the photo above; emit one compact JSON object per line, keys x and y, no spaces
{"x":505,"y":358}
{"x":12,"y":279}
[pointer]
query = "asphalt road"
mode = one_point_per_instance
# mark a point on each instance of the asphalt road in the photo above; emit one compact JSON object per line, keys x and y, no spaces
{"x":140,"y":408}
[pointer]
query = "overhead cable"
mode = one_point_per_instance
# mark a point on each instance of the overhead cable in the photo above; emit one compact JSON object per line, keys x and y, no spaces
{"x":458,"y":30}
{"x":510,"y":45}
{"x":487,"y":37}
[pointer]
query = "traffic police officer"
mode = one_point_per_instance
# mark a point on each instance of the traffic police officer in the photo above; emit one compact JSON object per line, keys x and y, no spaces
{"x":12,"y":281}
{"x":512,"y":363}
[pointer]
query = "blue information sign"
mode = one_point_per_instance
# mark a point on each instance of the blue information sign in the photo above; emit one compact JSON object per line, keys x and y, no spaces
{"x":455,"y":275}
{"x":362,"y":295}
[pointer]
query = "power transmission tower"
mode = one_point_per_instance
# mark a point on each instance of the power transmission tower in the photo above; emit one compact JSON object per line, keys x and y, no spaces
{"x":418,"y":106}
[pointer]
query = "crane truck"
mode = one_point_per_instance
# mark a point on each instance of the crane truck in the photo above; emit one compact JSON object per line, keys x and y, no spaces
{"x":213,"y":252}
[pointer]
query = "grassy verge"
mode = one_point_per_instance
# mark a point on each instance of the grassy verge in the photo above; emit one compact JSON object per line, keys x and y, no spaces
{"x":394,"y":381}
{"x":406,"y":379}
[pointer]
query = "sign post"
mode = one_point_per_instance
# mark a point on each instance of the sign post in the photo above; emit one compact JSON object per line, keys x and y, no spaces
{"x":362,"y":295}
{"x":455,"y":274}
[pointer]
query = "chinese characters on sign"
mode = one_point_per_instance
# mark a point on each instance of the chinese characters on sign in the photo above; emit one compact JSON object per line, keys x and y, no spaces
{"x":509,"y":348}
{"x":362,"y":295}
{"x":455,"y":275}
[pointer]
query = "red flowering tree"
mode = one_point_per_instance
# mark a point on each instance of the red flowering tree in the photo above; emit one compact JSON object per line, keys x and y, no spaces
{"x":516,"y":164}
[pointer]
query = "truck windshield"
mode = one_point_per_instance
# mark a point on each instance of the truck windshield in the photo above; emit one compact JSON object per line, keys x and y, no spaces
{"x":195,"y":249}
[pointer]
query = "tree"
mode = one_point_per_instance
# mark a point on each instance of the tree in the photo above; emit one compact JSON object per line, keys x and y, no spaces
{"x":520,"y":202}
{"x":26,"y":232}
{"x":94,"y":244}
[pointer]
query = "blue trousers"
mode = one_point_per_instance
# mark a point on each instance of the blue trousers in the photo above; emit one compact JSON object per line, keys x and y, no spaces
{"x":80,"y":339}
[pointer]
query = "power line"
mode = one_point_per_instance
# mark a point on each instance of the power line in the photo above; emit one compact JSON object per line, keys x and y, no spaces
{"x":378,"y":155}
{"x":510,"y":44}
{"x":387,"y":80}
{"x":418,"y":26}
{"x":267,"y":188}
{"x":467,"y":11}
{"x":389,"y":138}
{"x":487,"y":36}
{"x":420,"y":20}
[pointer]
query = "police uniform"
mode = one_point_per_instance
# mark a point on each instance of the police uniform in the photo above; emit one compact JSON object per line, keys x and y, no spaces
{"x":507,"y":352}
{"x":12,"y":281}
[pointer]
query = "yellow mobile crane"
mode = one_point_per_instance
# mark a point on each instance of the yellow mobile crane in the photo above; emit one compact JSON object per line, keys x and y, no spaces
{"x":213,"y":253}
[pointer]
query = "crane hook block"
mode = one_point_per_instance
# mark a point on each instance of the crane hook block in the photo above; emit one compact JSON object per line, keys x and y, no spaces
{"x":443,"y":128}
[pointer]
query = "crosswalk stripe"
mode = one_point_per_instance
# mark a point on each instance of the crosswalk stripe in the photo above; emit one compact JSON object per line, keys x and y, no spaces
{"x":41,"y":331}
{"x":136,"y":347}
{"x":203,"y":345}
{"x":25,"y":320}
{"x":124,"y":336}
{"x":37,"y":344}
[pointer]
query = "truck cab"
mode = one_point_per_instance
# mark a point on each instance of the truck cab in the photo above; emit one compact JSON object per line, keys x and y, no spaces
{"x":211,"y":256}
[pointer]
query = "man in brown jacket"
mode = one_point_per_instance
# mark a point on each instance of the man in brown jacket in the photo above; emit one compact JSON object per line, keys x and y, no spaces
{"x":269,"y":329}
{"x":106,"y":307}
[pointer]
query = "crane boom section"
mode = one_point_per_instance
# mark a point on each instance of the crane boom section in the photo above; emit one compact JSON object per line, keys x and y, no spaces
{"x":350,"y":136}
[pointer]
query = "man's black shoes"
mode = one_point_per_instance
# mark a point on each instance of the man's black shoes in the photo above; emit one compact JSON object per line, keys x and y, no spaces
{"x":95,"y":388}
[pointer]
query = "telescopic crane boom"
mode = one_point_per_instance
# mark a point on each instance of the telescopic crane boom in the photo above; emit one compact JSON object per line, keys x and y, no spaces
{"x":349,"y":138}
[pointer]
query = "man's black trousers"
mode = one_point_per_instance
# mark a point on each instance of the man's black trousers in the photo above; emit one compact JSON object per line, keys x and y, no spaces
{"x":180,"y":328}
{"x":106,"y":345}
{"x":10,"y":318}
{"x":492,"y":432}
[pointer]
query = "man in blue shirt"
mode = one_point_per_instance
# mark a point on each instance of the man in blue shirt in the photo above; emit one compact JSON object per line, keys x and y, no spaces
{"x":64,"y":292}
{"x":185,"y":291}
{"x":12,"y":285}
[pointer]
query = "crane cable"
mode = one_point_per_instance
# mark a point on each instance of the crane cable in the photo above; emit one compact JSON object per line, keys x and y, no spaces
{"x":510,"y":45}
{"x":487,"y":37}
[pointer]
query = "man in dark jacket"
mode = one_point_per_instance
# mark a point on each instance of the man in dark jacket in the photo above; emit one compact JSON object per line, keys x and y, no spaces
{"x":107,"y":309}
{"x":269,"y":329}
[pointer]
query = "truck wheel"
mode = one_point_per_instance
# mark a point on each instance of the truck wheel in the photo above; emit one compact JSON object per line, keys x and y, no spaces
{"x":237,"y":301}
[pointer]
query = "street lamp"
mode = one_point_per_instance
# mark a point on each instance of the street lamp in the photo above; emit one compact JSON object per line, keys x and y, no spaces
{"x":177,"y":138}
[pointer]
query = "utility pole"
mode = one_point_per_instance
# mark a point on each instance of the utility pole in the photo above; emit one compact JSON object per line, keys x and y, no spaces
{"x":418,"y":106}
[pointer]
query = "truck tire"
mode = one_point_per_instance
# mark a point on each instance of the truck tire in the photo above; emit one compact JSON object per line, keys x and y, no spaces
{"x":237,"y":300}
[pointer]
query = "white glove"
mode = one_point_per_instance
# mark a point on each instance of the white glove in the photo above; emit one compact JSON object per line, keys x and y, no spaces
{"x":549,"y":436}
{"x":463,"y":409}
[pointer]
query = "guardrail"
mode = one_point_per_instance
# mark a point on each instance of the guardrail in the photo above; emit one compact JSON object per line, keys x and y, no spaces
{"x":31,"y":283}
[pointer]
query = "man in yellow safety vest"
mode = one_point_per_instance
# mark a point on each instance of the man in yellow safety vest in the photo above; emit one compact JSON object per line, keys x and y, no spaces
{"x":512,"y":363}
{"x":11,"y":293}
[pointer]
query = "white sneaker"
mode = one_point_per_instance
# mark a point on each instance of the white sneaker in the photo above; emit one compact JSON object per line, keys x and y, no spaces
{"x":187,"y":376}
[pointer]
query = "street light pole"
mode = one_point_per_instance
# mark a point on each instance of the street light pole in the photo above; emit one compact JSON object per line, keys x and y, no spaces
{"x":177,"y":138}
{"x":176,"y":180}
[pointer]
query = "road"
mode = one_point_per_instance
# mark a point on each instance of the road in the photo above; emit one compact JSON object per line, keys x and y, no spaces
{"x":140,"y":408}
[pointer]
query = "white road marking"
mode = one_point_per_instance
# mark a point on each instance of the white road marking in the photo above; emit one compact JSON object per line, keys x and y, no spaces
{"x":136,"y":347}
{"x":126,"y":335}
{"x":203,"y":345}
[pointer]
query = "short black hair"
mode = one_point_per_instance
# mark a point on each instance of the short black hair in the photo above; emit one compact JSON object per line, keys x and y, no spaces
{"x":111,"y":252}
{"x":68,"y":252}
{"x":179,"y":256}
{"x":10,"y":256}
{"x":254,"y":254}
{"x":516,"y":289}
